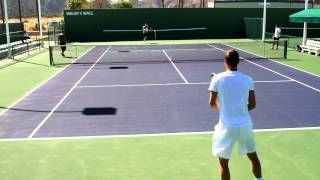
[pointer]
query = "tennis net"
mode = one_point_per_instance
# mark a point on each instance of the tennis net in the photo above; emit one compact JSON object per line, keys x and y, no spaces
{"x":72,"y":52}
{"x":294,"y":35}
{"x":158,"y":34}
{"x":264,"y":49}
{"x":153,"y":54}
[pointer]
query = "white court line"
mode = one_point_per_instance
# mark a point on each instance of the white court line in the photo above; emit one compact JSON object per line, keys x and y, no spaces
{"x":43,"y":83}
{"x":150,"y":135}
{"x":171,"y":84}
{"x":181,"y":75}
{"x":275,"y":61}
{"x":66,"y":95}
{"x":299,"y":82}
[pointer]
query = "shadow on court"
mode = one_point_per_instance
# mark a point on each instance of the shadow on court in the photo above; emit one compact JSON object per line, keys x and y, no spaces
{"x":90,"y":111}
{"x":99,"y":111}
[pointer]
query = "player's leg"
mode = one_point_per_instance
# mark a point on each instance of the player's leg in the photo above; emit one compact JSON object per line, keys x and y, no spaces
{"x":255,"y":164}
{"x":247,"y":146}
{"x":224,"y":169}
{"x":223,"y":142}
{"x":273,"y":43}
{"x":63,"y":49}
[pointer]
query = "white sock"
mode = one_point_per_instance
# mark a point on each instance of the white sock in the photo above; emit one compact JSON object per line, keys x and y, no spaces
{"x":259,"y":178}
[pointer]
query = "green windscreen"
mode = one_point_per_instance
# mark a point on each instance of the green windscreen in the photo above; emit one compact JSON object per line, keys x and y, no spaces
{"x":253,"y":27}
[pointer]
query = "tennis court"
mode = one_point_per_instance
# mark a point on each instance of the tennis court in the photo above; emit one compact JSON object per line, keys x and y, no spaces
{"x":121,"y":90}
{"x":154,"y":91}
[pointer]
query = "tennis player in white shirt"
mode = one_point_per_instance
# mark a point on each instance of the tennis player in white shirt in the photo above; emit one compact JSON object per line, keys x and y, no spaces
{"x":232,"y":95}
{"x":276,"y":36}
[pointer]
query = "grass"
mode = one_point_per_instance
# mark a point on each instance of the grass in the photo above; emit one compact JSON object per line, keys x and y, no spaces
{"x":284,"y":155}
{"x":303,"y":61}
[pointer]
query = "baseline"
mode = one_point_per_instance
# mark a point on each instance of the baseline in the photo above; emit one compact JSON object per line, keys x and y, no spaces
{"x":172,"y":84}
{"x":150,"y":135}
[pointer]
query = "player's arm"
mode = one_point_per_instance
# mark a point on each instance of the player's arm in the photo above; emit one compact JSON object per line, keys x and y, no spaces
{"x":213,"y":101}
{"x":251,"y":100}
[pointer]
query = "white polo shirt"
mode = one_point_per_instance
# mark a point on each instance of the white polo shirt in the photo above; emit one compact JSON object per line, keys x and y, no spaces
{"x":277,"y":32}
{"x":145,"y":29}
{"x":233,"y":92}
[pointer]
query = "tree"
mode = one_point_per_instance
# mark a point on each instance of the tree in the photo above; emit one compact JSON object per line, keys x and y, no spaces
{"x":76,"y":4}
{"x":122,"y":4}
{"x":99,"y":4}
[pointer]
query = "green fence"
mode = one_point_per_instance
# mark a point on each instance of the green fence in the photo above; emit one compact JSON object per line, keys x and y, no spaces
{"x":253,"y":27}
{"x":54,"y":29}
{"x":257,"y":4}
{"x":89,"y":25}
{"x":16,"y":32}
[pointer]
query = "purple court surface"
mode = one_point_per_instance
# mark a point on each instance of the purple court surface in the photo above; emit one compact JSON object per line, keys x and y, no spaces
{"x":125,"y":90}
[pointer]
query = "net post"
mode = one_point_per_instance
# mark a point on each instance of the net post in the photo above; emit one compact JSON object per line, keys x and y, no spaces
{"x":285,"y":51}
{"x":51,"y":56}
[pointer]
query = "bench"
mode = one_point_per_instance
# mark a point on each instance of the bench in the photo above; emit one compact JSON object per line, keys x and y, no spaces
{"x":311,"y":46}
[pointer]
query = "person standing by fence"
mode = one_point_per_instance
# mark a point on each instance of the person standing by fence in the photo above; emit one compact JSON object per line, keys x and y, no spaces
{"x":145,"y":31}
{"x":62,"y":42}
{"x":276,"y":36}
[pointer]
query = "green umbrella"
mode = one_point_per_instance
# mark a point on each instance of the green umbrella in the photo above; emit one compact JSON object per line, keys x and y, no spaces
{"x":308,"y":15}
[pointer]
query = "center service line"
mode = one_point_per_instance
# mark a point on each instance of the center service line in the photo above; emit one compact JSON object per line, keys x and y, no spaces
{"x":181,"y":75}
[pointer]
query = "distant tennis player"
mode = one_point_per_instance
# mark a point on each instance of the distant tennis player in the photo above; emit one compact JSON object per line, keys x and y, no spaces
{"x":232,"y":95}
{"x":62,"y":42}
{"x":145,"y":31}
{"x":276,"y":36}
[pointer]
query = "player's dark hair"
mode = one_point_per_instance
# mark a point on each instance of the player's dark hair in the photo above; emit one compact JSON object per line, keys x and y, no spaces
{"x":232,"y":57}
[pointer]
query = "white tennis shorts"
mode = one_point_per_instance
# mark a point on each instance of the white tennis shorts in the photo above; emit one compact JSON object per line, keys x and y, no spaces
{"x":225,"y":138}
